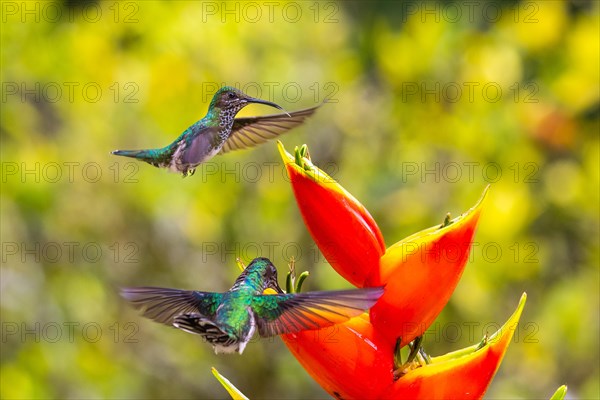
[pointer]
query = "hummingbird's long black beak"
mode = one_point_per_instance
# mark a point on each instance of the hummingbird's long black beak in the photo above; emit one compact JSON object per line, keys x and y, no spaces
{"x":273,"y":284}
{"x":278,"y":288}
{"x":268,"y":103}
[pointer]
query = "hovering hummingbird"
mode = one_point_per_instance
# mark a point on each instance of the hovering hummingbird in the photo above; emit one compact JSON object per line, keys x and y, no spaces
{"x":219,"y":132}
{"x":228,"y":320}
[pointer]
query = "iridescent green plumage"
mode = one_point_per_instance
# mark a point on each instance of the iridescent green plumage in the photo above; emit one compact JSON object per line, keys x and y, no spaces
{"x":219,"y":132}
{"x":228,"y":320}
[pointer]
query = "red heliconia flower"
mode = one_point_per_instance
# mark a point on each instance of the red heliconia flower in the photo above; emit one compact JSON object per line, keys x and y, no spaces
{"x":420,"y":272}
{"x":356,"y":359}
{"x":341,"y":227}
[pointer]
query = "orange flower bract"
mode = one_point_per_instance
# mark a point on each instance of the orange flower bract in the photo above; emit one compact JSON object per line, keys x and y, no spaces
{"x":464,"y":374}
{"x":420,"y":274}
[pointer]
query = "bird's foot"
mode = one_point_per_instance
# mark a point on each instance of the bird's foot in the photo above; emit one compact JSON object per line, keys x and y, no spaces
{"x":188,"y":172}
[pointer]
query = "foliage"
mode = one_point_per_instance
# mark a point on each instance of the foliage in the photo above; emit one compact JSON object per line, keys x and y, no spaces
{"x":77,"y":223}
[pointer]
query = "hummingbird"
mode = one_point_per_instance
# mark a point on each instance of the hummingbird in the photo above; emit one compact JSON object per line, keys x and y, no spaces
{"x":229,"y":320}
{"x":220,"y":132}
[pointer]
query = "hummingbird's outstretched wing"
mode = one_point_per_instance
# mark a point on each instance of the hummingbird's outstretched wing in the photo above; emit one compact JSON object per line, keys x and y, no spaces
{"x":164,"y":305}
{"x":288,"y":313}
{"x":251,"y":131}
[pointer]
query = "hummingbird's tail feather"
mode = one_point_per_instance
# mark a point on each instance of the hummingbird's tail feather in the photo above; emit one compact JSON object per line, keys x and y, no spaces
{"x":289,"y":313}
{"x":156,"y":157}
{"x":200,"y":325}
{"x":197,"y":324}
{"x":129,"y":153}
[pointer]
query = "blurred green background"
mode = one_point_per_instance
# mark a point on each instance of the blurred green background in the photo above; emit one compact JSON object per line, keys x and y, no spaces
{"x":429,"y":102}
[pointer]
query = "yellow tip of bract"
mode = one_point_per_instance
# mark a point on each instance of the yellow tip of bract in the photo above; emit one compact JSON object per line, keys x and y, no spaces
{"x":285,"y":156}
{"x":307,"y":169}
{"x":512,"y":322}
{"x":232,"y":390}
{"x":269,"y":291}
{"x":560,"y":393}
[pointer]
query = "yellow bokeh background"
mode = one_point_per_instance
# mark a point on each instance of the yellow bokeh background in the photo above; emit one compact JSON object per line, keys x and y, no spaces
{"x":428,"y":103}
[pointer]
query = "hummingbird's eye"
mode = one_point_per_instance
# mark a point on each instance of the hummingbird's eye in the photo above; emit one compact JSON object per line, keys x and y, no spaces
{"x":231,"y":95}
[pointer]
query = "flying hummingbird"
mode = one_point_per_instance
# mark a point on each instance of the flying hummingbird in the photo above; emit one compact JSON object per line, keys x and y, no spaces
{"x":219,"y":132}
{"x":229,"y":320}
